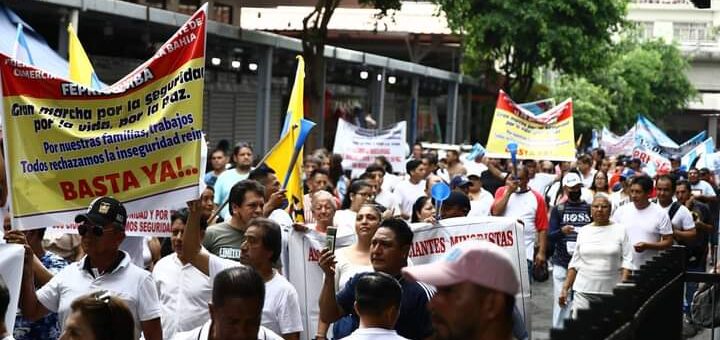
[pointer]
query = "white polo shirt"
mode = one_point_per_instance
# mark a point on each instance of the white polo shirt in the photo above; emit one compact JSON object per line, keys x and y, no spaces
{"x":184,"y":293}
{"x":133,"y":285}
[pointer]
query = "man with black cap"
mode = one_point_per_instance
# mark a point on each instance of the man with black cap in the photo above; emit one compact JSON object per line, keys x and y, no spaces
{"x":105,"y":267}
{"x":456,"y":205}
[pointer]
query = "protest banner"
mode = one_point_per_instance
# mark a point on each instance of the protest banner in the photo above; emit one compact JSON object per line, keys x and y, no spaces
{"x":138,"y":140}
{"x":548,"y":136}
{"x":650,"y":137}
{"x":11,"y":267}
{"x":653,"y":161}
{"x":706,"y":147}
{"x":615,"y":145}
{"x":306,"y":276}
{"x":432,"y":241}
{"x":359,"y":146}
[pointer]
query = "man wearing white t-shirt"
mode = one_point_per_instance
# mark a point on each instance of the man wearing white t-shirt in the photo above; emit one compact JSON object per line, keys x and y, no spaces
{"x":384,"y":196}
{"x":701,"y":190}
{"x":648,"y":225}
{"x":236,"y":307}
{"x":261,"y":248}
{"x":481,"y":200}
{"x":518,"y":201}
{"x":680,"y":217}
{"x":409,"y":190}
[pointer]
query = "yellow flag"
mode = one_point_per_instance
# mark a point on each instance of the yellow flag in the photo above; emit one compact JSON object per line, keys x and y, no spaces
{"x":279,"y":158}
{"x":81,"y":70}
{"x":283,"y":151}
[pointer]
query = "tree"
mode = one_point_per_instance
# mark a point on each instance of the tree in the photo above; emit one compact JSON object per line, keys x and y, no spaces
{"x":314,"y":36}
{"x":518,"y":37}
{"x":646,"y":78}
{"x":592,"y":104}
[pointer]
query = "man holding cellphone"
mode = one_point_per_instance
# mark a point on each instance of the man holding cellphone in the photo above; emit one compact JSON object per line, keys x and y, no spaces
{"x":388,"y":253}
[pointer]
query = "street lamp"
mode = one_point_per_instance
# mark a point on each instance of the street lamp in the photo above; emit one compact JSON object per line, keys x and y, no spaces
{"x":364,"y":75}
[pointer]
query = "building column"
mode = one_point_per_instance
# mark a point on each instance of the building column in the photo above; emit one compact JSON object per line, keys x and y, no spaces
{"x":264,"y":89}
{"x":414,"y":104}
{"x":380,"y":98}
{"x":451,"y":113}
{"x":70,"y":17}
{"x":712,"y":127}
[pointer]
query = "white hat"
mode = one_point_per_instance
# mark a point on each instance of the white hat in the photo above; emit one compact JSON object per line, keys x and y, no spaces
{"x":571,"y":179}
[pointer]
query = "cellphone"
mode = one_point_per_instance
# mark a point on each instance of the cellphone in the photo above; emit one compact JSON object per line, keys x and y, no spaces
{"x":330,"y":238}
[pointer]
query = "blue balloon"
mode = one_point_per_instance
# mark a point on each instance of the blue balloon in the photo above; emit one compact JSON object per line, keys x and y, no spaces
{"x":512,"y":147}
{"x":440,"y":191}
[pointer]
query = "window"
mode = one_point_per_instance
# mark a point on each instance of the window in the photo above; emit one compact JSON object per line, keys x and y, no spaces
{"x":222,"y":13}
{"x":188,"y":6}
{"x":645,"y":29}
{"x":691,"y":31}
{"x":156,"y":3}
{"x":663,"y":2}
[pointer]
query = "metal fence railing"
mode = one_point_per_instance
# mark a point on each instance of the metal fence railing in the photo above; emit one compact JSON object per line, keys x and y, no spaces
{"x":648,"y":306}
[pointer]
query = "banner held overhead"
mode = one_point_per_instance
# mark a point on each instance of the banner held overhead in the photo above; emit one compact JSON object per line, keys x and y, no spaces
{"x":138,"y":140}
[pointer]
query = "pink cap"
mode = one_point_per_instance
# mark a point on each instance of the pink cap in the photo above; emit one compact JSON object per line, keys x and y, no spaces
{"x":480,"y":262}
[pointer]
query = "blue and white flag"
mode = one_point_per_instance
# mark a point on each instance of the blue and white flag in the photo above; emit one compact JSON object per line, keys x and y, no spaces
{"x":705,"y":148}
{"x":21,"y":51}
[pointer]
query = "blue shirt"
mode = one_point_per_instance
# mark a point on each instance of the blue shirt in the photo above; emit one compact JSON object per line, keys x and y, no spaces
{"x":47,"y":327}
{"x":576,"y":214}
{"x":413,"y":322}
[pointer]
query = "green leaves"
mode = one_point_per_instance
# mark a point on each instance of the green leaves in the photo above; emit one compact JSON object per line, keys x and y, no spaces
{"x":646,"y":78}
{"x":592,"y":105}
{"x":569,"y":36}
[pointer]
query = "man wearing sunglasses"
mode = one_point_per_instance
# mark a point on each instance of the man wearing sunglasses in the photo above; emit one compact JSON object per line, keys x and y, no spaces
{"x":102,"y":229}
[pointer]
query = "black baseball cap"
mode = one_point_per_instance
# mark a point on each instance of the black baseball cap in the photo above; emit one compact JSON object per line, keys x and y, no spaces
{"x":457,"y":199}
{"x":103,"y":211}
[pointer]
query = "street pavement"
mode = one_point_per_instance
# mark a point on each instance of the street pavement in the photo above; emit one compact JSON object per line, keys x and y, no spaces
{"x":542,"y":309}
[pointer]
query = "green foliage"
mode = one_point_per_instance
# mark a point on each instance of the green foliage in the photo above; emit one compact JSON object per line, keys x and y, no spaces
{"x":516,"y":37}
{"x":646,"y":78}
{"x":592,"y":104}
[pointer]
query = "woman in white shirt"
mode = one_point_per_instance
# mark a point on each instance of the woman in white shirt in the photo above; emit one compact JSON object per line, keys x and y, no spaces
{"x":355,"y":259}
{"x":359,"y":192}
{"x":601,"y":252}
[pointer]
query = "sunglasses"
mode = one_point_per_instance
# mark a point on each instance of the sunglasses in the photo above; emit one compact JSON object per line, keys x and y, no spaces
{"x":96,"y":229}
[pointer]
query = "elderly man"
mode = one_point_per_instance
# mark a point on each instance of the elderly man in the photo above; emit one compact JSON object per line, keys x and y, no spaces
{"x":476,"y":287}
{"x":102,"y":229}
{"x":388,"y":254}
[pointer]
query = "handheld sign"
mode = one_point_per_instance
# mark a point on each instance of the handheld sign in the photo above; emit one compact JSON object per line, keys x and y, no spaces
{"x":477,"y":150}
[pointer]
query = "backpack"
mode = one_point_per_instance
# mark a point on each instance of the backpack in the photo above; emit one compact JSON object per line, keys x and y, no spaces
{"x":705,"y":307}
